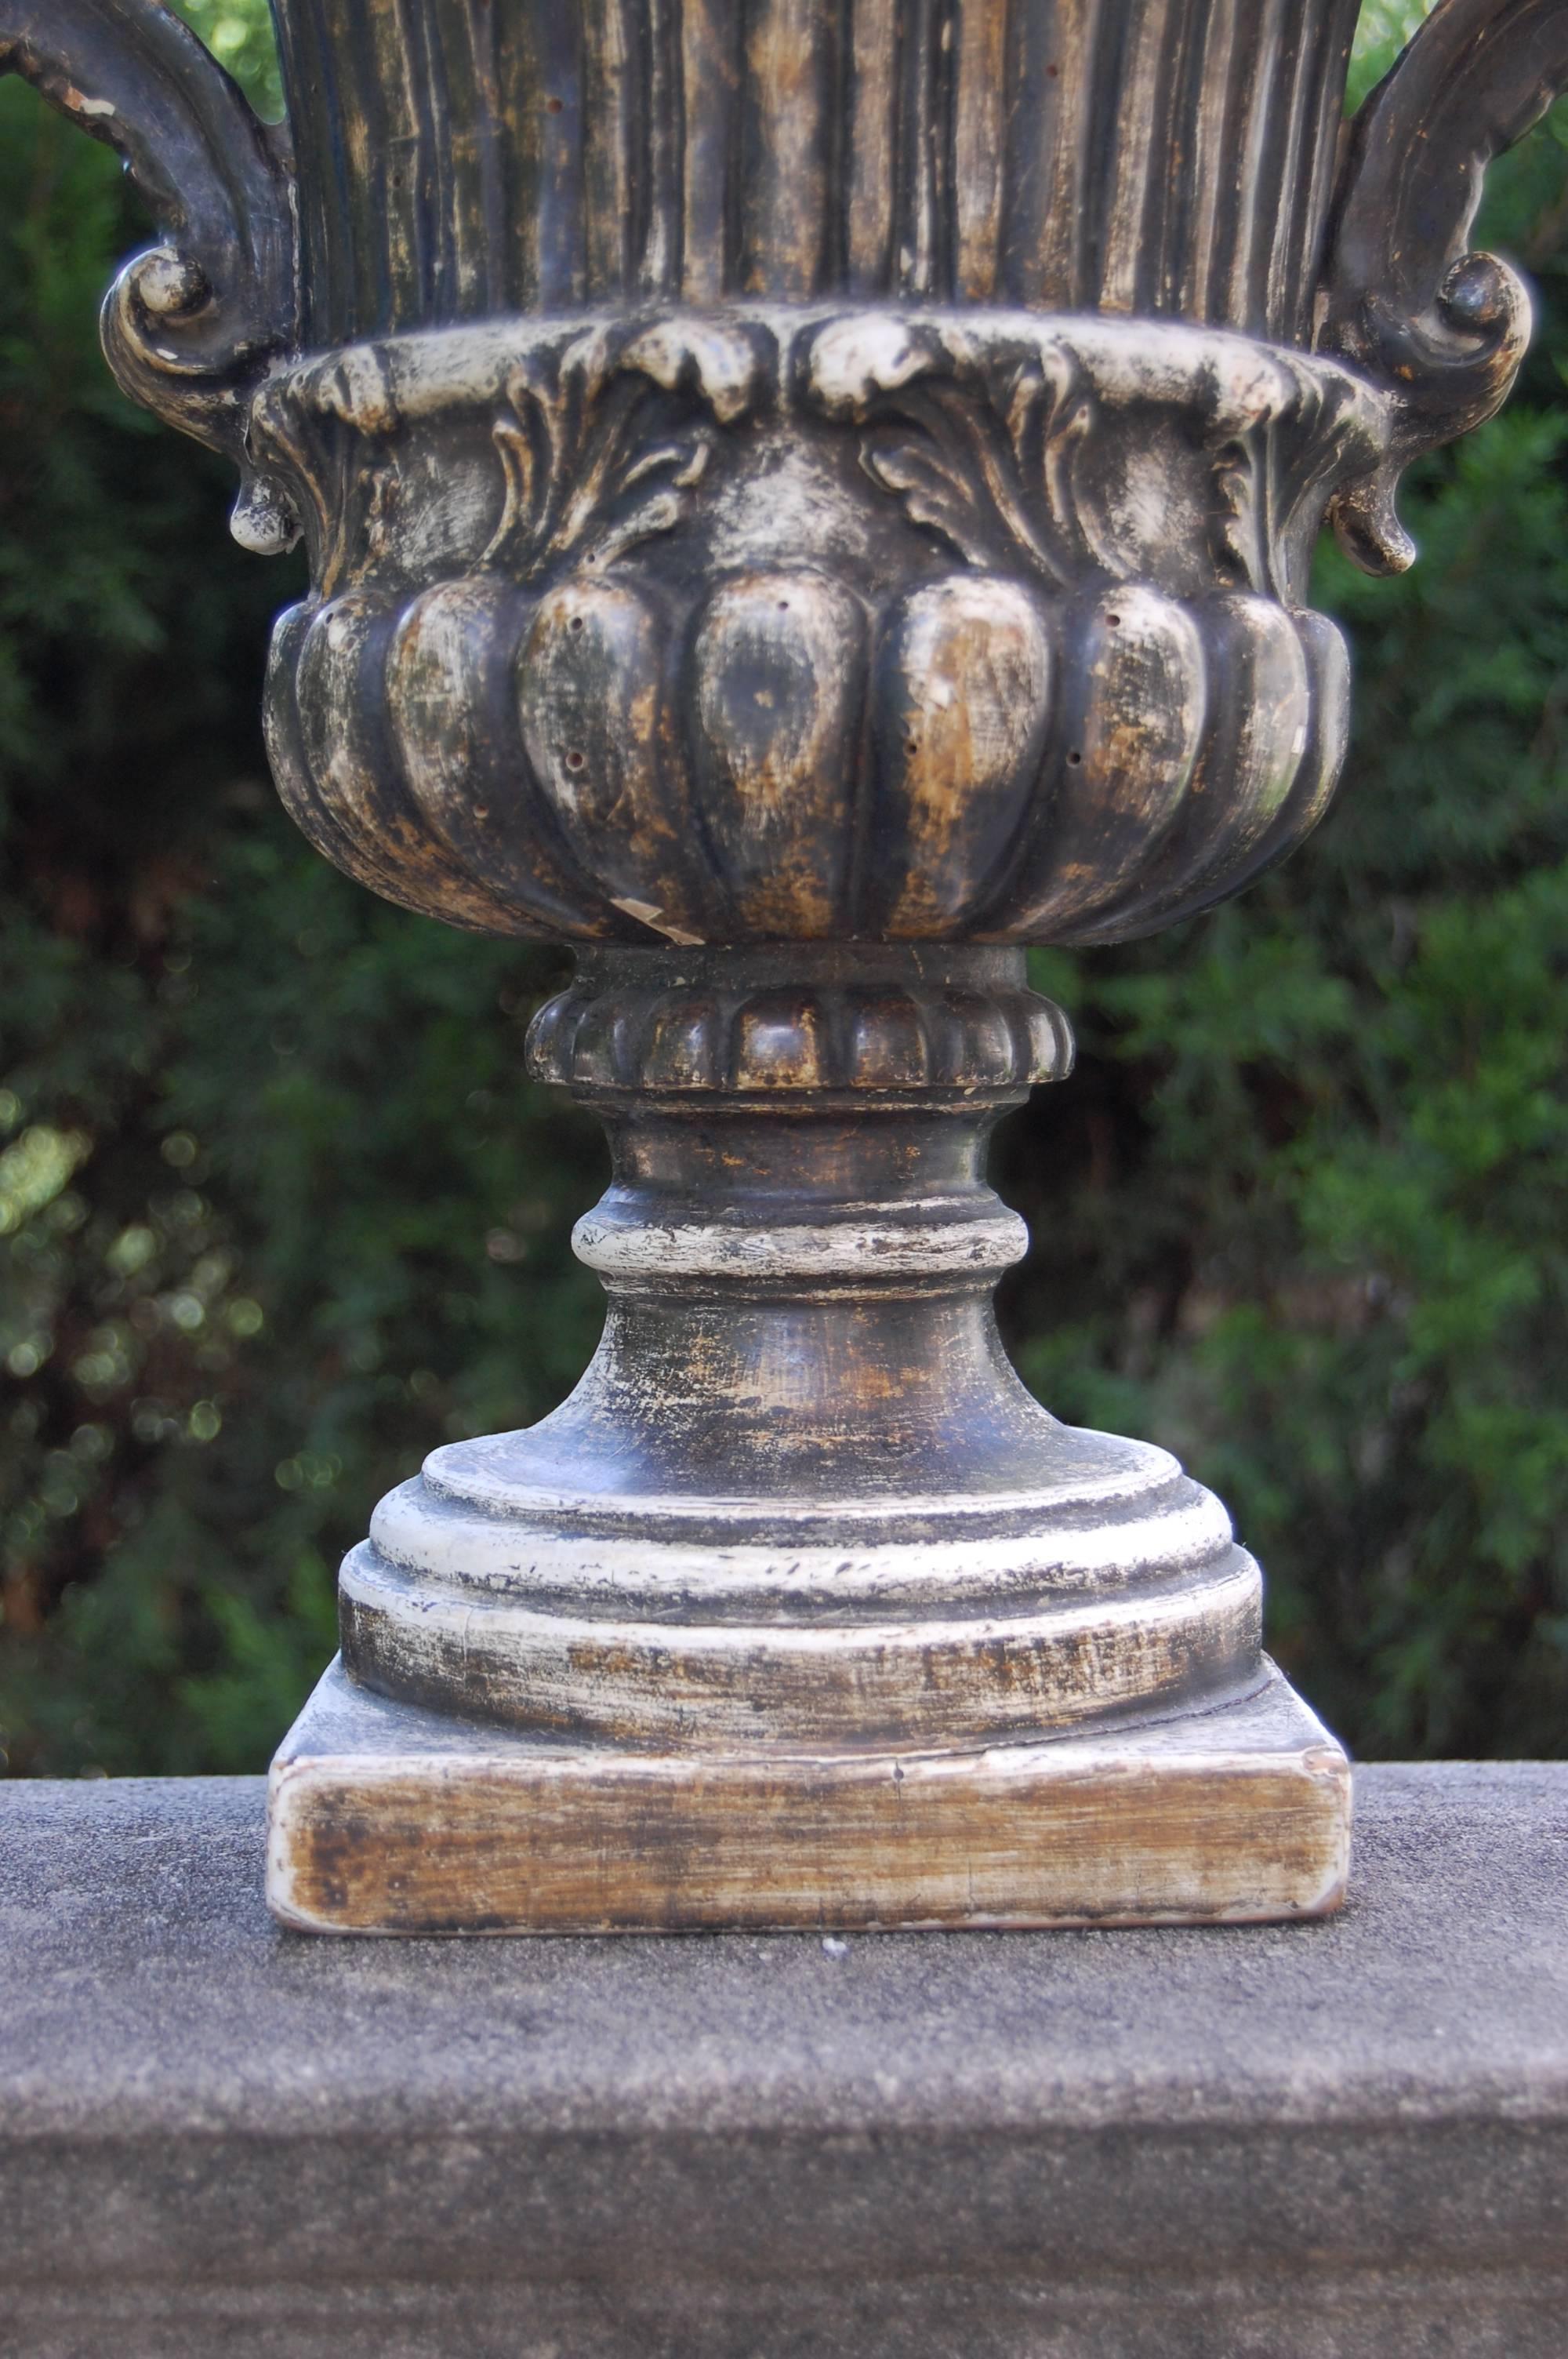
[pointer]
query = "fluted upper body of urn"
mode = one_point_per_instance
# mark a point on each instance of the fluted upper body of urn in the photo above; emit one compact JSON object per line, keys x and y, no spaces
{"x":459,"y":158}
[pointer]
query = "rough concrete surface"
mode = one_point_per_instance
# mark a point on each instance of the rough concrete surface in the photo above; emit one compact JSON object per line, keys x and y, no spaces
{"x":1309,"y":2142}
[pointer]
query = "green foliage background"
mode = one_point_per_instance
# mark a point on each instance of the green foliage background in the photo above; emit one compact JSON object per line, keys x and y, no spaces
{"x":278,"y":1210}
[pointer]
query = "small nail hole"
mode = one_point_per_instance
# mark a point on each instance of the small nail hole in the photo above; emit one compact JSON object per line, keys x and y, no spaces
{"x":576,"y":623}
{"x":552,"y":106}
{"x":482,"y":810}
{"x":576,"y":761}
{"x":1075,"y":757}
{"x":783,"y":605}
{"x":1113,"y":621}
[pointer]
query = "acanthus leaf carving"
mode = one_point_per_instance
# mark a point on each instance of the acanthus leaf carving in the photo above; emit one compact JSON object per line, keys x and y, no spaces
{"x":593,"y":463}
{"x":981,"y":446}
{"x":1275,"y":475}
{"x":595,"y":443}
{"x":604,"y":437}
{"x":580,"y":479}
{"x":1012,"y":440}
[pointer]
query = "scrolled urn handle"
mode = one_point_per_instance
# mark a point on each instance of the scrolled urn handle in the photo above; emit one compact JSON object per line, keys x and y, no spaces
{"x":1442,"y":329}
{"x":190,"y":322}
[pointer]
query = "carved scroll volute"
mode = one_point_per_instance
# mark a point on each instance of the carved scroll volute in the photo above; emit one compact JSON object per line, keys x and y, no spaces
{"x":1442,"y":329}
{"x":191,"y":322}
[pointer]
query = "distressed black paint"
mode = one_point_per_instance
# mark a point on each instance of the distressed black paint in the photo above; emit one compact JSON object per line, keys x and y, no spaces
{"x":804,"y":498}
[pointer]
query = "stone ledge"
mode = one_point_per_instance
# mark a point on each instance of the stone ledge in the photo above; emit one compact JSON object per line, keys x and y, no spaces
{"x":1321,"y":2141}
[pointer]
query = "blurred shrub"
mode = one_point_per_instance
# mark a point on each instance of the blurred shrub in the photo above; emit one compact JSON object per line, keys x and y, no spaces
{"x":278,"y":1210}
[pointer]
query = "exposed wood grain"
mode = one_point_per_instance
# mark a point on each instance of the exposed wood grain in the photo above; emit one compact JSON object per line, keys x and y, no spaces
{"x":1143,"y":106}
{"x":779,"y":667}
{"x":870,"y":148}
{"x":964,"y":713}
{"x":1045,"y":169}
{"x":980,"y":147}
{"x":710,"y":62}
{"x":615,"y":130}
{"x":787,"y":153}
{"x":664,"y":131}
{"x":1126,"y":756}
{"x":1224,"y":1820}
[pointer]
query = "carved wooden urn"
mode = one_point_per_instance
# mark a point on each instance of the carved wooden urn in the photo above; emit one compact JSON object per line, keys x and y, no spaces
{"x":805,"y":498}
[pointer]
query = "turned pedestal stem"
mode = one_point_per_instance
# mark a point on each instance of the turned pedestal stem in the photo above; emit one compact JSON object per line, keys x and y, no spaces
{"x":800,"y":1498}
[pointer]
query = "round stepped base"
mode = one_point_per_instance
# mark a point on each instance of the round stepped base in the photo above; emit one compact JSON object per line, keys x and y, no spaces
{"x":1113,"y":1589}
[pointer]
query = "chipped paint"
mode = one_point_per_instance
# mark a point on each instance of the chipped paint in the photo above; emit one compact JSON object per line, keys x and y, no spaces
{"x":800,"y":494}
{"x":1233,"y":1817}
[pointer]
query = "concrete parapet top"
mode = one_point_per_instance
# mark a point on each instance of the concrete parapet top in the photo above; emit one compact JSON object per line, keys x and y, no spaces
{"x":719,"y":2138}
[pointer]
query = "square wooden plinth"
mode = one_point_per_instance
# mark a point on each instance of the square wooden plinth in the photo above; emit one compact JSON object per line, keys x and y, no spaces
{"x":384,"y":1818}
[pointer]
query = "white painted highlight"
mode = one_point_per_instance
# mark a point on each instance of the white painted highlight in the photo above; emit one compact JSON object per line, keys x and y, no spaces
{"x":714,"y":1684}
{"x":651,"y":1572}
{"x":845,"y":1250}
